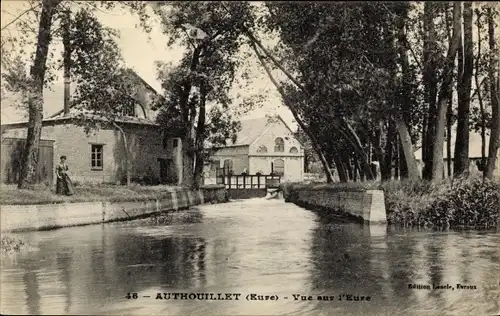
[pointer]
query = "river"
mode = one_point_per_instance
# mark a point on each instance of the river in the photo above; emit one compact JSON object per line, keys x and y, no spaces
{"x":256,"y":246}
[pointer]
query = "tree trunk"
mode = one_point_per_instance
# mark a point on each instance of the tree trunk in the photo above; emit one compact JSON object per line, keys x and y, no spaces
{"x":409,"y":153}
{"x":449,"y":123}
{"x":200,"y":138}
{"x":495,"y":99}
{"x":403,"y":165}
{"x":340,"y":167}
{"x":288,"y":103}
{"x":408,"y":169}
{"x":126,"y":151}
{"x":430,"y":83}
{"x":478,"y":91}
{"x":437,"y":152}
{"x":461,"y":161}
{"x":397,"y":158}
{"x":388,"y":152}
{"x":29,"y":160}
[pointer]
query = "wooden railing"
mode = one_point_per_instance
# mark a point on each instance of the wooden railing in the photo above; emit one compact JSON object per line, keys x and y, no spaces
{"x":248,"y":181}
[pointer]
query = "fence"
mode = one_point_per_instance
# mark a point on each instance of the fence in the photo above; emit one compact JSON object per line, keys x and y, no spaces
{"x":12,"y":151}
{"x":246,"y":181}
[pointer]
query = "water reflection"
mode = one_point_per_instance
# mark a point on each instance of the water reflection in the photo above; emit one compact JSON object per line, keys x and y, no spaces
{"x":256,"y":246}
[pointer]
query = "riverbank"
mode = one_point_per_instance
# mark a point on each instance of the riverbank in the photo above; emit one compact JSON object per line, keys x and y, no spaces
{"x":42,"y":194}
{"x":143,"y":202}
{"x":457,"y":203}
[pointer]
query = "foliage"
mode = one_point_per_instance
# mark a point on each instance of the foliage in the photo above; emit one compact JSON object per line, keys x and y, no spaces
{"x":369,"y":82}
{"x":196,"y":105}
{"x":469,"y":203}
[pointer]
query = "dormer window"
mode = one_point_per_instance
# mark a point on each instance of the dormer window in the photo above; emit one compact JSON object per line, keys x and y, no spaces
{"x":129,"y":110}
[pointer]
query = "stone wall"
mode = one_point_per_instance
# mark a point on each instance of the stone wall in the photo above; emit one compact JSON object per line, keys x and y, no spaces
{"x":364,"y":206}
{"x":48,"y":216}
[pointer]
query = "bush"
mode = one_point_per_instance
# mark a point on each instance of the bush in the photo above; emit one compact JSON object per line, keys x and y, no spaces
{"x":468,"y":203}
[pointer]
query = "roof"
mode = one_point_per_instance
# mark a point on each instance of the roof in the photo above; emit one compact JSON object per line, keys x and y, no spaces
{"x":128,"y":71}
{"x":72,"y":117}
{"x":251,"y":129}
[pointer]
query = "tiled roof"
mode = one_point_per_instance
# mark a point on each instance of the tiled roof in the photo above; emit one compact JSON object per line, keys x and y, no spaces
{"x":75,"y":116}
{"x":251,"y":129}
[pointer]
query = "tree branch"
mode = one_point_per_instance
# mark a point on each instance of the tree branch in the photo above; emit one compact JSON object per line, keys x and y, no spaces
{"x":20,"y":15}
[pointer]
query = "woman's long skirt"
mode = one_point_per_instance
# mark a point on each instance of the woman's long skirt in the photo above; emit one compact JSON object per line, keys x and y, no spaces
{"x":64,"y":186}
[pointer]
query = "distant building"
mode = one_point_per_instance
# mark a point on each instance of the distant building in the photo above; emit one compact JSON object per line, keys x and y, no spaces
{"x":264,"y":145}
{"x":98,"y":157}
{"x":476,"y":164}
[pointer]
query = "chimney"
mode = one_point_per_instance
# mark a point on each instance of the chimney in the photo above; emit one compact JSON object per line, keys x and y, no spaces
{"x":66,"y":61}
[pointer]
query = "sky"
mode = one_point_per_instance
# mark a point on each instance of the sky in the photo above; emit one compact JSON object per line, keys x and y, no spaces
{"x":140,"y":54}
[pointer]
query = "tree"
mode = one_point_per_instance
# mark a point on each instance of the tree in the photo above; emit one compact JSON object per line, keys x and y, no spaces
{"x":494,"y":83}
{"x":212,"y":40}
{"x":437,"y":156}
{"x":35,"y":96}
{"x":461,"y":161}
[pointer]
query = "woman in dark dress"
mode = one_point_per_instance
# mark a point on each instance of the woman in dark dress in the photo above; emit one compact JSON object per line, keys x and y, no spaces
{"x":64,"y":186}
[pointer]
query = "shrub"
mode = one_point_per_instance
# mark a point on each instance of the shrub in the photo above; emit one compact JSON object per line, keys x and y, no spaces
{"x":469,"y":203}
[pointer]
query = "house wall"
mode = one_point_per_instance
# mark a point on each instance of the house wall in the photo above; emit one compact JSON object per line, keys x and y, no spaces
{"x":294,"y":171}
{"x":239,"y":156}
{"x":294,"y":162}
{"x":72,"y":141}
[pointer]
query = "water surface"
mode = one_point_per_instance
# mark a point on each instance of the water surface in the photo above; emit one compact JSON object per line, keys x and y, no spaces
{"x":254,"y":246}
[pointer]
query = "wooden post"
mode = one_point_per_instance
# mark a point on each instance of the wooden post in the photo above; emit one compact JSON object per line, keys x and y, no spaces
{"x":251,"y":182}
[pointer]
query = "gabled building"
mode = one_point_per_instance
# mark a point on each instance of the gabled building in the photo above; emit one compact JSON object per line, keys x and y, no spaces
{"x":263,"y":145}
{"x":99,"y":156}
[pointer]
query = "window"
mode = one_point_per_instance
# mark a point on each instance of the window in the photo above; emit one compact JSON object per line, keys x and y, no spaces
{"x":262,"y":149}
{"x":96,"y":157}
{"x":176,"y":143}
{"x":129,"y":110}
{"x":279,"y":167}
{"x":279,"y":145}
{"x":294,"y":150}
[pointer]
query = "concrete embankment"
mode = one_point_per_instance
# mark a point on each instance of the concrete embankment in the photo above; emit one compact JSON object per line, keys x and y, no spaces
{"x":16,"y":218}
{"x":367,"y":206}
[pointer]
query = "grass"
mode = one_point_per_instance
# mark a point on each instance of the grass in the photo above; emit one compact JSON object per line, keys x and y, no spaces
{"x":11,"y":244}
{"x":41,"y":194}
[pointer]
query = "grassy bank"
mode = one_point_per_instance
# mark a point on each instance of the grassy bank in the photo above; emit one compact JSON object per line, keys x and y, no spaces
{"x":11,"y":195}
{"x":472,"y":202}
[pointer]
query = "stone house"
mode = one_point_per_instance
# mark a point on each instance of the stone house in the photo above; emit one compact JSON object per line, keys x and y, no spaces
{"x":263,"y":145}
{"x":99,"y":156}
